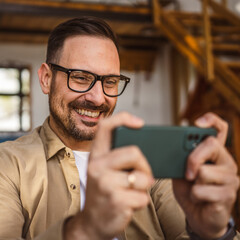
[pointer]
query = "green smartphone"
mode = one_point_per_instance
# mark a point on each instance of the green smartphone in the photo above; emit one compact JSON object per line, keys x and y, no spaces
{"x":165,"y":147}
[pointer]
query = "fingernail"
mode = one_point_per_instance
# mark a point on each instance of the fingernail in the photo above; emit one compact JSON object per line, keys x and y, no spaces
{"x":201,"y":121}
{"x":137,"y":119}
{"x":190,"y":175}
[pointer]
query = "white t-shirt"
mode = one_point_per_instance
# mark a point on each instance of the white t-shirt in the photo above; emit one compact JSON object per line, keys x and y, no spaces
{"x":81,"y":159}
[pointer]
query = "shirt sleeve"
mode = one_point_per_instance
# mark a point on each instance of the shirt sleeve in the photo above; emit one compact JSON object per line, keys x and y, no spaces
{"x":11,"y":216}
{"x":11,"y":211}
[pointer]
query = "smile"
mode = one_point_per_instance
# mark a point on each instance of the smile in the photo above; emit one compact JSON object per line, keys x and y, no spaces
{"x":87,"y":113}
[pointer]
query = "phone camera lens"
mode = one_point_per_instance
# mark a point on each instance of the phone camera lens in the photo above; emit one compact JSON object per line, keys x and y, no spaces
{"x":196,"y":137}
{"x":190,"y":137}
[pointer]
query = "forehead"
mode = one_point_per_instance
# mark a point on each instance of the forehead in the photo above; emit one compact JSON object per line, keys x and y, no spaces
{"x":90,"y":53}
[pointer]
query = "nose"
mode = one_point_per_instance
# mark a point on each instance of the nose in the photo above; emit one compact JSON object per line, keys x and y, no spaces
{"x":96,"y":94}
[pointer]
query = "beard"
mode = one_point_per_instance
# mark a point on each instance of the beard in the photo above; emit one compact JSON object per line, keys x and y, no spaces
{"x":63,"y":116}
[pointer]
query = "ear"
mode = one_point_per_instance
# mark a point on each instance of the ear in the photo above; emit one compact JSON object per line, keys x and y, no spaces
{"x":45,"y":78}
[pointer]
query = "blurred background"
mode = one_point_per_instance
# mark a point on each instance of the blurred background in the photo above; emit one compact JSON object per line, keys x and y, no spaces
{"x":182,"y":57}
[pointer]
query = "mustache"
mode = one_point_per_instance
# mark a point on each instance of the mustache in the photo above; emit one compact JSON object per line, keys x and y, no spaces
{"x":89,"y":105}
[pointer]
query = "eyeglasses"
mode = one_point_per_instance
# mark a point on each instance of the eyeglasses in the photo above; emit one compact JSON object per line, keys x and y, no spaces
{"x":82,"y":81}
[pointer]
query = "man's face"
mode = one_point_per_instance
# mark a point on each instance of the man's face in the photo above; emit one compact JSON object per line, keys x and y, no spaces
{"x":76,"y":114}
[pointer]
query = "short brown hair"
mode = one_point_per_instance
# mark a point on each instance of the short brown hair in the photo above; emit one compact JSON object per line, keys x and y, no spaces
{"x":86,"y":26}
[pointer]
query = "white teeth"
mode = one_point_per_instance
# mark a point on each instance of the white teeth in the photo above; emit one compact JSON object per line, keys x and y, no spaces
{"x":88,"y":113}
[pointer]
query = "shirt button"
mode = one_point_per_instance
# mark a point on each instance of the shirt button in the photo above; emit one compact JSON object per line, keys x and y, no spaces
{"x":68,"y":154}
{"x":73,"y":186}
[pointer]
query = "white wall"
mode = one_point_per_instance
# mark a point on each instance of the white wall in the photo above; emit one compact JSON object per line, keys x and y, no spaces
{"x":149,"y":96}
{"x":152,"y":102}
{"x":196,"y":5}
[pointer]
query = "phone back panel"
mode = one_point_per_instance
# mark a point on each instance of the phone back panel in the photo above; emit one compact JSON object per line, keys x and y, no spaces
{"x":166,"y":148}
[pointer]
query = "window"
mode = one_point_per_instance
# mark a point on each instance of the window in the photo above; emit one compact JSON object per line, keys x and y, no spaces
{"x":15,"y":99}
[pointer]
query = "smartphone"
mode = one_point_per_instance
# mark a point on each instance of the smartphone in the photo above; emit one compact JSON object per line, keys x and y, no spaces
{"x":165,"y":147}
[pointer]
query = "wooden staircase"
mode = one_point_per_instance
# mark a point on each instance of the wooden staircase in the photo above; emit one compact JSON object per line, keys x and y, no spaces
{"x":206,"y":40}
{"x":210,"y":42}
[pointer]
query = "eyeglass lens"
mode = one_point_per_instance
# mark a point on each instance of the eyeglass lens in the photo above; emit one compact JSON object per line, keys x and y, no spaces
{"x":82,"y":81}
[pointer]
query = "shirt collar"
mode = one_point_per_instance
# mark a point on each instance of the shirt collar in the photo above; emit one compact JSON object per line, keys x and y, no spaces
{"x":51,"y":142}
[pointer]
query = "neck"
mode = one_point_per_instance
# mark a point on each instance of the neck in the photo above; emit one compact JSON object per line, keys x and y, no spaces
{"x":69,"y":141}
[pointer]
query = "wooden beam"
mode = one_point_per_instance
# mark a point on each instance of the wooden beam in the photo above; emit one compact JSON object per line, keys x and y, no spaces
{"x":233,"y":64}
{"x":74,"y":9}
{"x":229,"y":38}
{"x":224,"y":12}
{"x":81,"y":6}
{"x":227,"y":47}
{"x":156,"y":12}
{"x":225,"y":29}
{"x":224,"y":3}
{"x":23,"y":38}
{"x":208,"y":42}
{"x":192,"y":15}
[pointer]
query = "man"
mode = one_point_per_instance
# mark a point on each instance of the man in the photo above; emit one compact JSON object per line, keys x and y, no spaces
{"x":41,"y":195}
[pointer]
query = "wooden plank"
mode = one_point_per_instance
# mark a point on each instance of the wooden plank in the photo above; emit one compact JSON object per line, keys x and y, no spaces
{"x":82,"y":6}
{"x":232,"y":64}
{"x":225,"y":29}
{"x":23,"y":22}
{"x":224,"y":3}
{"x":227,"y":47}
{"x":224,"y":12}
{"x":75,"y":9}
{"x":156,"y":12}
{"x":229,"y":38}
{"x":208,"y":42}
{"x":183,"y":15}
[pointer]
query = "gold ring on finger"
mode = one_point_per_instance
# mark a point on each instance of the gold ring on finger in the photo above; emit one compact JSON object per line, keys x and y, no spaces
{"x":131,"y":180}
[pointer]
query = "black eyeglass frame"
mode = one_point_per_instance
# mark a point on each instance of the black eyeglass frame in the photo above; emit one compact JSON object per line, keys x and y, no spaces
{"x":96,"y":78}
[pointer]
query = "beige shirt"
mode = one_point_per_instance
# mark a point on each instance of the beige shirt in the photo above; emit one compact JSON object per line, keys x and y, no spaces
{"x":39,"y":189}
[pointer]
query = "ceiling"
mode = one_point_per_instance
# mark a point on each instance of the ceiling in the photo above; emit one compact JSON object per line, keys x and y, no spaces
{"x":31,"y":21}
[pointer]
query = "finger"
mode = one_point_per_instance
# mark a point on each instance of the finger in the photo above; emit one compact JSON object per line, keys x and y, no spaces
{"x":132,"y":198}
{"x":212,"y":120}
{"x":125,"y":158}
{"x":113,"y":180}
{"x":211,"y":150}
{"x":141,"y":181}
{"x":211,"y":193}
{"x":129,"y":157}
{"x":102,"y":142}
{"x":217,"y":175}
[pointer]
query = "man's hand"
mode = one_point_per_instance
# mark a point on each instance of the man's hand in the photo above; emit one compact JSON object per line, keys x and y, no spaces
{"x":209,"y":191}
{"x":110,"y":200}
